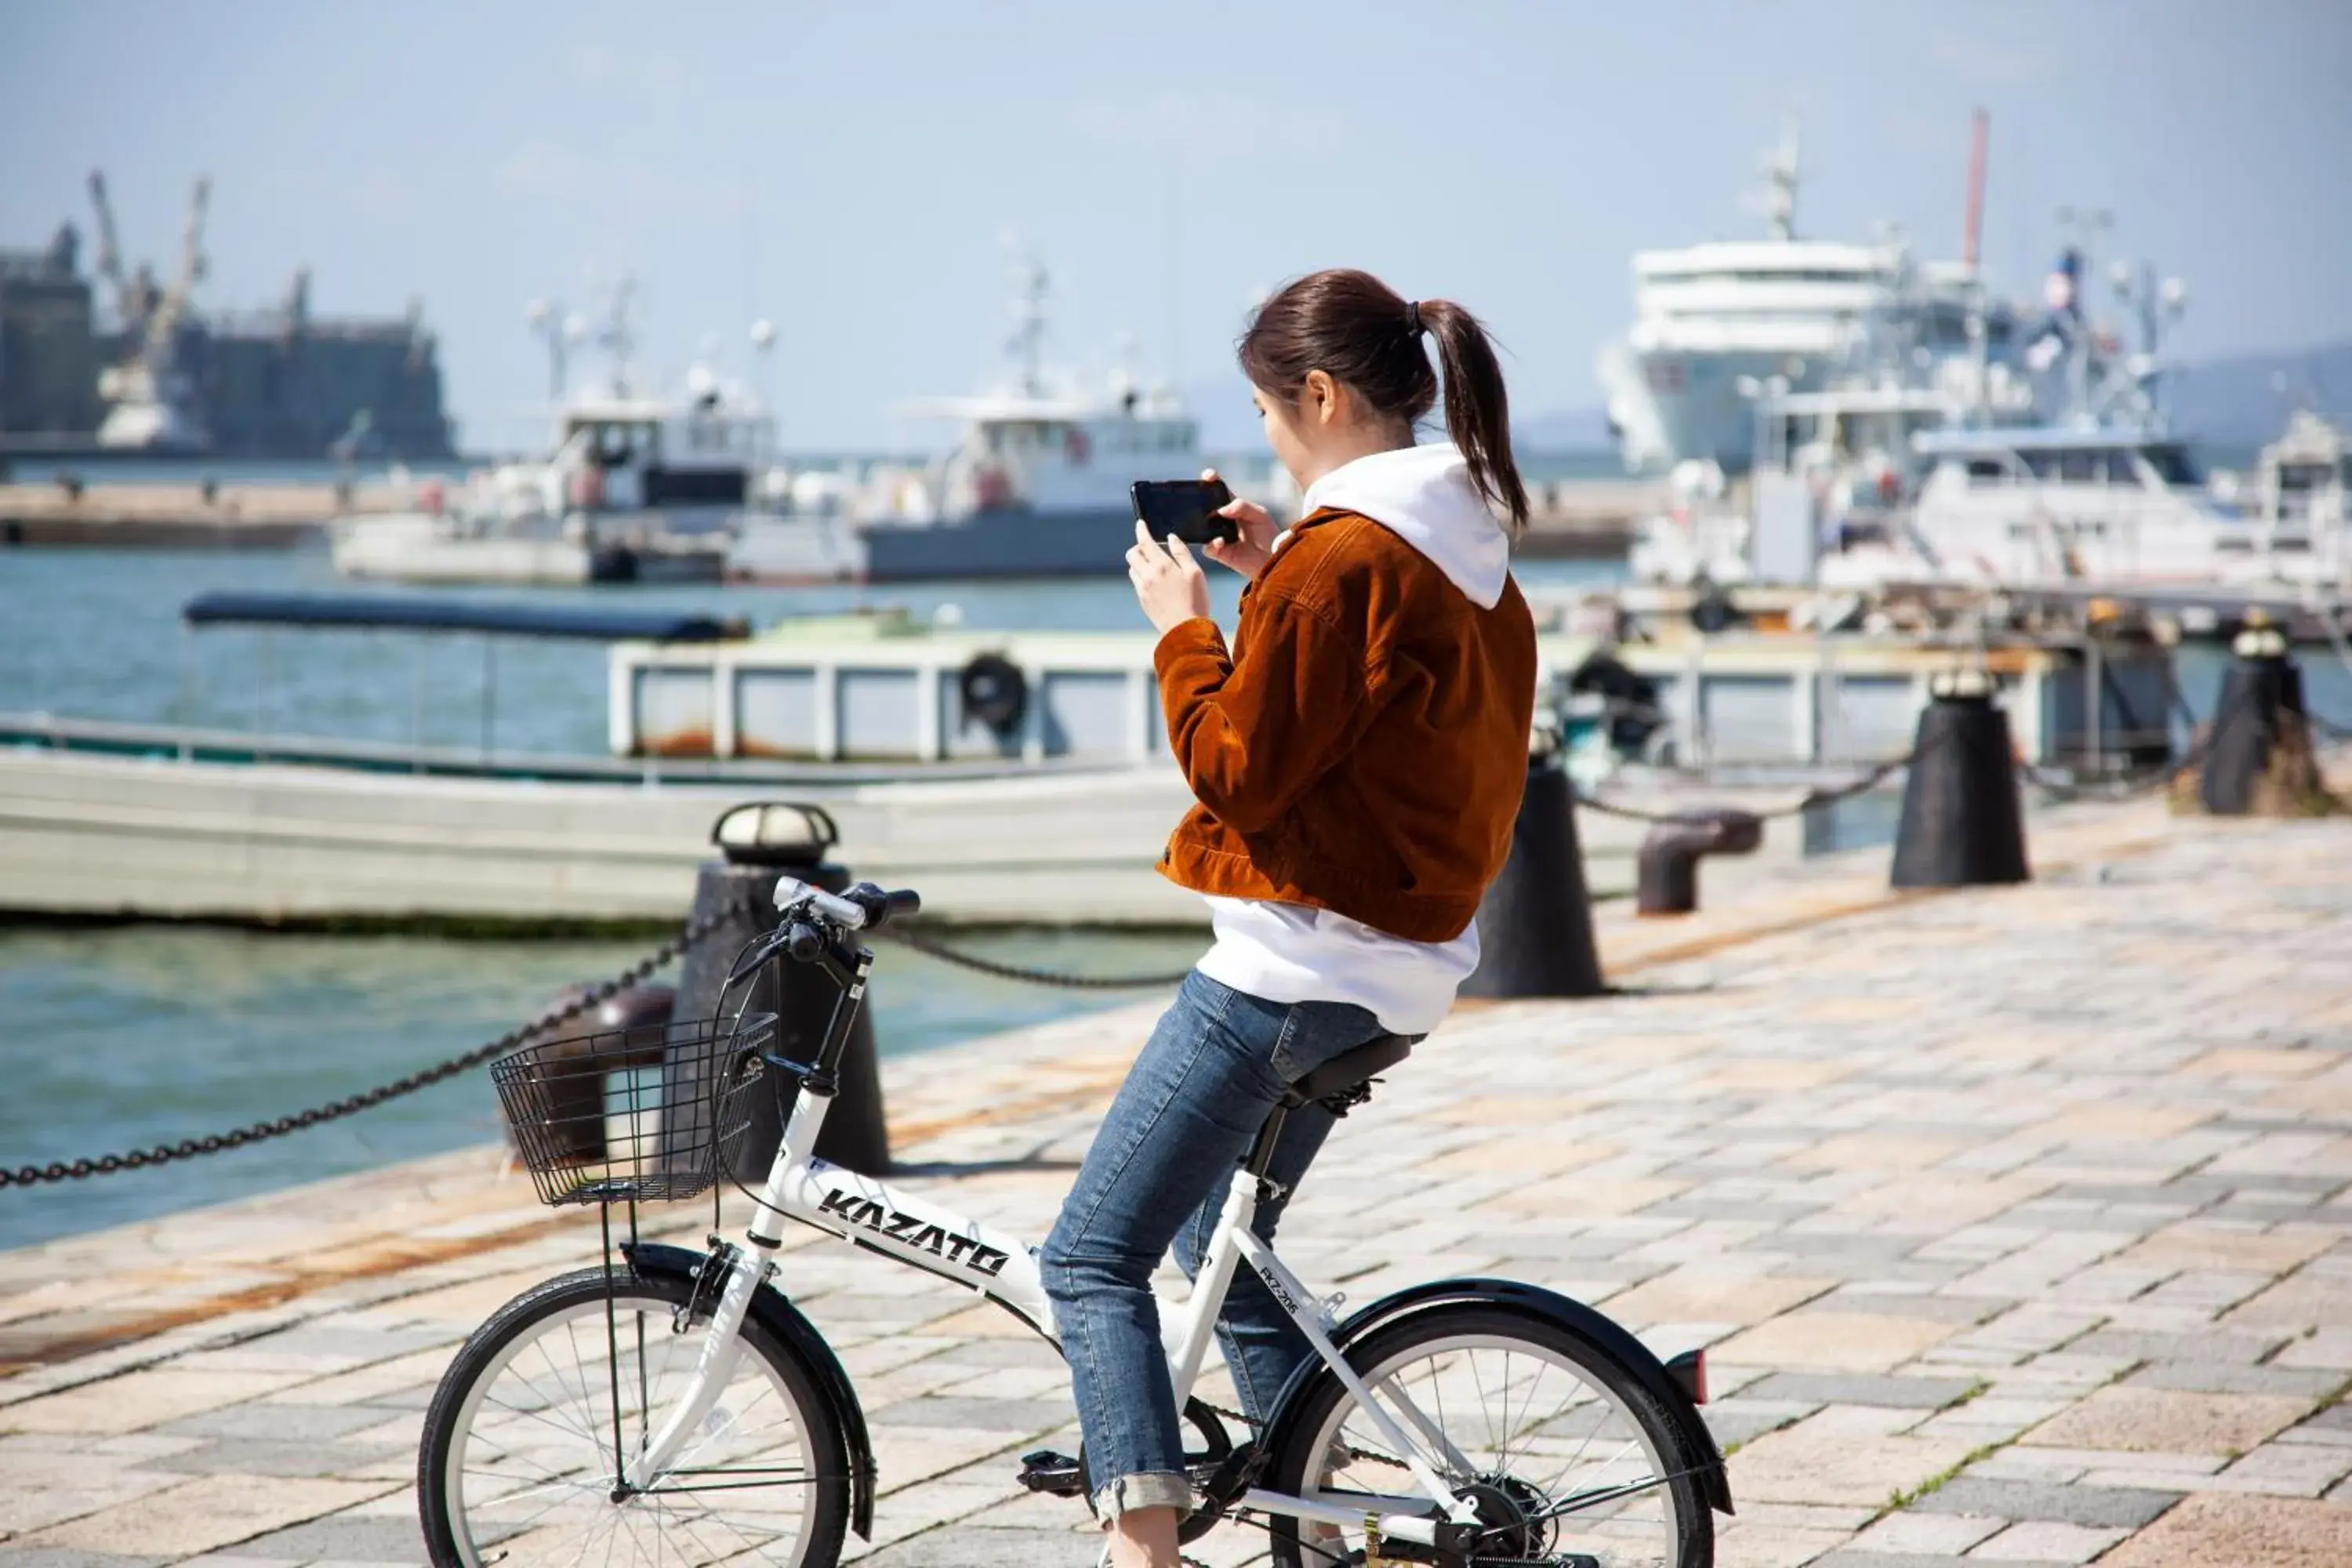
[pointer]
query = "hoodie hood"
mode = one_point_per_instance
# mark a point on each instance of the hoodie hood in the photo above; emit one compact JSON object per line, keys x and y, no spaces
{"x":1424,"y":496}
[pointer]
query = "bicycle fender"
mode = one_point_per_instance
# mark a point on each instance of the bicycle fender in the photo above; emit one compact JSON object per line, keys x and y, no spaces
{"x":777,"y":1314}
{"x":1534,"y":1301}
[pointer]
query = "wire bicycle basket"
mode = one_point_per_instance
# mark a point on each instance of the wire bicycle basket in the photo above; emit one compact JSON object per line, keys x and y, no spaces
{"x":645,"y":1113}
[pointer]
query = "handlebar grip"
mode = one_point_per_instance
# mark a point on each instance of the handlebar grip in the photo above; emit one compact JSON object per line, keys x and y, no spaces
{"x":878,"y":907}
{"x":804,"y":942}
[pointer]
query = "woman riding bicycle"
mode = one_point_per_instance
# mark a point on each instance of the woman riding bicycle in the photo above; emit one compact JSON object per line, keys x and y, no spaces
{"x":1357,"y":754}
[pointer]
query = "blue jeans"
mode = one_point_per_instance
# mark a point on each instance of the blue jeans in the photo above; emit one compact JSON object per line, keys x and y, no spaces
{"x":1159,"y":1171}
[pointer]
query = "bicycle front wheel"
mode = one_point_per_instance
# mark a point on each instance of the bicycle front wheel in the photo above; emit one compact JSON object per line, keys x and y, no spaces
{"x":1565,"y":1457}
{"x":547,"y":1402}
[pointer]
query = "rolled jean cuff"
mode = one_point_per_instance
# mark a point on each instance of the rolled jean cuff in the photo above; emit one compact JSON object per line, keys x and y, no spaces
{"x":1158,"y":1489}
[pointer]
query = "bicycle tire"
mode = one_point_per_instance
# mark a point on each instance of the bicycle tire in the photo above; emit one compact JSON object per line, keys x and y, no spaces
{"x":1305,"y":1446}
{"x":492,"y":1349}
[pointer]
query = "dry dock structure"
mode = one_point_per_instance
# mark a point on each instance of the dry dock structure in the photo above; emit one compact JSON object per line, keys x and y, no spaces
{"x":2018,"y":1223}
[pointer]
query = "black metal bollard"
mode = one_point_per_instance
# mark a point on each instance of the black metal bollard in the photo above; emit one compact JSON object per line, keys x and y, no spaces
{"x":1963,"y":824}
{"x":628,"y":1029}
{"x":1534,"y":924}
{"x":759,"y":843}
{"x":2260,"y":710}
{"x":1666,"y":880}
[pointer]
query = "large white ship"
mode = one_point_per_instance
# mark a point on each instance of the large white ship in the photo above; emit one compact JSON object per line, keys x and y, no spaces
{"x":1716,"y":324}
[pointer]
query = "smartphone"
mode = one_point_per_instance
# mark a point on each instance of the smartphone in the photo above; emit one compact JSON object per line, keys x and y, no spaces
{"x":1185,"y":507}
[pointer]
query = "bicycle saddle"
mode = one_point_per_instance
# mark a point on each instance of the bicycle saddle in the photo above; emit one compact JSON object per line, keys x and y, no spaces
{"x":1352,"y":1069}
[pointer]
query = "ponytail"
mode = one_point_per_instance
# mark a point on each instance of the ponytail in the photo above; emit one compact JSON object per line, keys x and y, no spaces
{"x":1361,"y":332}
{"x":1477,"y":408}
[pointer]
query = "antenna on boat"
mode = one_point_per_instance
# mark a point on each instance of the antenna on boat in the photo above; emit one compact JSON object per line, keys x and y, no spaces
{"x":1781,"y":184}
{"x":1026,"y":345}
{"x":2159,"y":304}
{"x":1973,"y":228}
{"x":620,"y":333}
{"x":2085,"y":224}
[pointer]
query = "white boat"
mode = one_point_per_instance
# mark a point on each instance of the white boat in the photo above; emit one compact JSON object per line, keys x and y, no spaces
{"x":1035,"y":487}
{"x":2302,"y":499}
{"x":1715,"y":324}
{"x":636,"y":489}
{"x":1019,"y":776}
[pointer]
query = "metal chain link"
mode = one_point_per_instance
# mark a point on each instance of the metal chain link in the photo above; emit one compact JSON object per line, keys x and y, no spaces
{"x":1812,"y":799}
{"x":189,"y":1148}
{"x":989,"y":967}
{"x":2158,"y":777}
{"x":2130,"y":787}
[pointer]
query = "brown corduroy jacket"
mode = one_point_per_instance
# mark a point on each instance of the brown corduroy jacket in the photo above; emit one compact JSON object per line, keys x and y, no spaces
{"x":1364,"y":746}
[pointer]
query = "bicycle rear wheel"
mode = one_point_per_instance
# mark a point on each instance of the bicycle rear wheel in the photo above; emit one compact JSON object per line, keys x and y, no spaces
{"x":1565,"y":1458}
{"x":518,"y":1463}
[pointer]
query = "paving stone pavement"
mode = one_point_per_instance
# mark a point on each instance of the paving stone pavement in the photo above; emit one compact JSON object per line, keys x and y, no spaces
{"x":2018,"y":1222}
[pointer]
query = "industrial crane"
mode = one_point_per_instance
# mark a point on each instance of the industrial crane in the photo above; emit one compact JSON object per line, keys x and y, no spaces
{"x":150,"y":396}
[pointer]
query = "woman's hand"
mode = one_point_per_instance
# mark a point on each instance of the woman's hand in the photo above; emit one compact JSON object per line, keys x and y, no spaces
{"x":1250,"y":553}
{"x":1168,"y":583}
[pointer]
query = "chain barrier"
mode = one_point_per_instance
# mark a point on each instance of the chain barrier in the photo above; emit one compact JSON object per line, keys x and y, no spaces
{"x":562,"y":1012}
{"x":1000,"y":971}
{"x":1810,"y":799}
{"x":2128,"y":786}
{"x":2132,"y":786}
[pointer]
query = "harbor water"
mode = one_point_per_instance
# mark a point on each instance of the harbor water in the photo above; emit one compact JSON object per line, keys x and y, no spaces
{"x":122,"y":1036}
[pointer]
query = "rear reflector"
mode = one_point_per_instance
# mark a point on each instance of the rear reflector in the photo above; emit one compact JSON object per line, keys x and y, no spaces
{"x":1690,"y":1372}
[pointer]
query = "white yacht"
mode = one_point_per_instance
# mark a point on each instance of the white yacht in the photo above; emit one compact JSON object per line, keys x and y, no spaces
{"x":1035,"y":487}
{"x":1716,"y":323}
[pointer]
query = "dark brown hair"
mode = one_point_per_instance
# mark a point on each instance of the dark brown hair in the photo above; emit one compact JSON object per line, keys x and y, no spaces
{"x":1359,"y":330}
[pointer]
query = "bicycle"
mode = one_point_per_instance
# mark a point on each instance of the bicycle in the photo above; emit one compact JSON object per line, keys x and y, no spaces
{"x":669,"y":1404}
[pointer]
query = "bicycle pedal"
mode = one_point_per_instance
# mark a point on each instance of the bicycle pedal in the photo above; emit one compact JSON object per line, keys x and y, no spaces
{"x":1055,"y":1475}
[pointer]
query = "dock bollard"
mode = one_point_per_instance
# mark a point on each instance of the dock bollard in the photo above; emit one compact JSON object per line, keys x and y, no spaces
{"x":1534,"y":924}
{"x":760,"y":842}
{"x":2258,"y":758}
{"x":574,"y":1124}
{"x":1963,"y":823}
{"x":1666,"y":879}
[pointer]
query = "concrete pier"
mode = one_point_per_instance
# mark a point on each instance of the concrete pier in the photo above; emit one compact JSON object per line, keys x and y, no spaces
{"x":178,"y":515}
{"x":2018,"y":1222}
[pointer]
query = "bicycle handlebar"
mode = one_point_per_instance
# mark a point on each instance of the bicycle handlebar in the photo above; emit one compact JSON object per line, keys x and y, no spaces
{"x":862,"y":908}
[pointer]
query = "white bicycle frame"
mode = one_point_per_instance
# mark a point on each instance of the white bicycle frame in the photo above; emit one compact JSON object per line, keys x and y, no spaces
{"x":910,"y":1229}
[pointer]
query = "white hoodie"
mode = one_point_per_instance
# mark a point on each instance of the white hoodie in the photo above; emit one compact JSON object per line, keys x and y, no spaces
{"x":1290,"y":952}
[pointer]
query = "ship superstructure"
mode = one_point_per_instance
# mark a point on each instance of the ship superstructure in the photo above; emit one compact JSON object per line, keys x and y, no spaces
{"x":1719,"y":323}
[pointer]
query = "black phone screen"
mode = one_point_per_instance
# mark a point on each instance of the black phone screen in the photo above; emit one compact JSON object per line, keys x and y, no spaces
{"x":1185,"y":507}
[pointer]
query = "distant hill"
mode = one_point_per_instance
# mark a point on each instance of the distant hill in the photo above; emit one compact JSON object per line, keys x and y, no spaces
{"x":2244,"y":401}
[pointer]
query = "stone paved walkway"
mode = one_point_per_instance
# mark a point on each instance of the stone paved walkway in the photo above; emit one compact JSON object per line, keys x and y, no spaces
{"x":2019,"y":1222}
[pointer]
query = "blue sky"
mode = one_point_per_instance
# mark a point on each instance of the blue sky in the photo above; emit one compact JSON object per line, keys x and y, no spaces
{"x":847,"y":170}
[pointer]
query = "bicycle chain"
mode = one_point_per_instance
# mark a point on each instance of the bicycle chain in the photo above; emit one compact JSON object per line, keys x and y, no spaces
{"x":261,"y":1131}
{"x":1352,"y":1451}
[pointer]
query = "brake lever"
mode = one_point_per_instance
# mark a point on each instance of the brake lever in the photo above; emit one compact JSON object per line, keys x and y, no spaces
{"x":770,"y":945}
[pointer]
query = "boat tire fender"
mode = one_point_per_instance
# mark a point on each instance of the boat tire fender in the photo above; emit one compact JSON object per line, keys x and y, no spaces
{"x":994,"y":691}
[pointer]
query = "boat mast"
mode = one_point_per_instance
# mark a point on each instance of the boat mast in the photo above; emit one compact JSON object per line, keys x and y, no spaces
{"x":1781,"y":186}
{"x":2087,"y":224}
{"x":1026,"y":345}
{"x":1971,"y":256}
